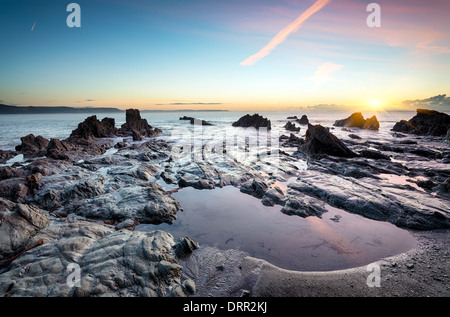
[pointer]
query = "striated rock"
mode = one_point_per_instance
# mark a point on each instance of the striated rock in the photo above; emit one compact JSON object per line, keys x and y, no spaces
{"x":57,"y":149}
{"x":255,"y":121}
{"x":256,"y":188}
{"x":140,"y":126}
{"x":425,"y":122}
{"x":376,"y":155}
{"x":321,"y":141}
{"x":91,"y":127}
{"x":302,"y":205}
{"x":356,"y":120}
{"x":195,"y":121}
{"x":396,"y":204}
{"x":291,"y":127}
{"x":18,"y":224}
{"x":111,"y":263}
{"x":31,"y":144}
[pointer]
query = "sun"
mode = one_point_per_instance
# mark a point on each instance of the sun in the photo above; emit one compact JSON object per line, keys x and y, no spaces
{"x":375,"y":104}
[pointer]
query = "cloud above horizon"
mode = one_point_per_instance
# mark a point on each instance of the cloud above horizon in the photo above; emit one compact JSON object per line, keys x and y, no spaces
{"x":323,"y":73}
{"x":438,"y":102}
{"x":283,"y":34}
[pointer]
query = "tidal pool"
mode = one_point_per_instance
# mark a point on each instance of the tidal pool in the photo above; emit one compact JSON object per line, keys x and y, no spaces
{"x":228,"y":219}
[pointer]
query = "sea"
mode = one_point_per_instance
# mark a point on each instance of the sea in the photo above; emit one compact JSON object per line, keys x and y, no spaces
{"x":15,"y":126}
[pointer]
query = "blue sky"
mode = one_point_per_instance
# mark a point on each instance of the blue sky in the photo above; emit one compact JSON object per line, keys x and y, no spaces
{"x":150,"y":54}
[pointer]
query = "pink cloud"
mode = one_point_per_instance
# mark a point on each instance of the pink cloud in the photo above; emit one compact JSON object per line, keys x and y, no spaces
{"x":283,"y":34}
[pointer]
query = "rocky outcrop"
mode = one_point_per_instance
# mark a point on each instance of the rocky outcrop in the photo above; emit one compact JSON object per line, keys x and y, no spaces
{"x":91,"y":127}
{"x":6,"y":155}
{"x":108,"y":263}
{"x":58,"y":149}
{"x":32,"y":145}
{"x":135,"y":125}
{"x":321,"y":141}
{"x":195,"y":121}
{"x":255,"y":121}
{"x":291,"y":127}
{"x":303,"y":120}
{"x":396,"y":204}
{"x":356,"y":120}
{"x":425,"y":122}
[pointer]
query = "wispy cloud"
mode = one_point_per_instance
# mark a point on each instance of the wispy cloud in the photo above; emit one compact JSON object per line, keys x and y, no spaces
{"x":189,"y":103}
{"x":32,"y":28}
{"x":283,"y":34}
{"x":323,"y":73}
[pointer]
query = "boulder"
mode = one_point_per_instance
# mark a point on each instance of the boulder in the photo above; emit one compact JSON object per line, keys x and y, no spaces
{"x":356,"y":120}
{"x":255,"y":121}
{"x":425,"y":122}
{"x":321,"y":141}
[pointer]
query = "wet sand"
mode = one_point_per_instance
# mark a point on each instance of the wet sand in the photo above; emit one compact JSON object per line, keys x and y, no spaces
{"x":423,"y":271}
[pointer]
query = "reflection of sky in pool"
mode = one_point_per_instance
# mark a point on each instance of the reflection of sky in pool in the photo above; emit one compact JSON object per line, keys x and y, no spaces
{"x":228,"y":219}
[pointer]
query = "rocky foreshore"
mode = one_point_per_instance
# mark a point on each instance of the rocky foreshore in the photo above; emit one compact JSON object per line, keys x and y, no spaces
{"x":77,"y":201}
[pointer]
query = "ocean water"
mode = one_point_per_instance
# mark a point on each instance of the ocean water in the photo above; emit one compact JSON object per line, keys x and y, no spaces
{"x":13,"y":127}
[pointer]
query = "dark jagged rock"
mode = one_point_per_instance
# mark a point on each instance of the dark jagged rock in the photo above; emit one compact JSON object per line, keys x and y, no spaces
{"x":6,"y":155}
{"x":291,"y":127}
{"x":195,"y":121}
{"x":303,"y":120}
{"x":292,"y":118}
{"x":356,"y":120}
{"x":57,"y":149}
{"x":136,"y":123}
{"x":93,"y":128}
{"x":184,"y":247}
{"x":321,"y":141}
{"x":376,"y":155}
{"x":32,"y":144}
{"x":425,"y":122}
{"x":256,"y":188}
{"x":255,"y":120}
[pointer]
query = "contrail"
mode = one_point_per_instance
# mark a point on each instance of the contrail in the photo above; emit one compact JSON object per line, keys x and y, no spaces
{"x":32,"y":28}
{"x":280,"y":37}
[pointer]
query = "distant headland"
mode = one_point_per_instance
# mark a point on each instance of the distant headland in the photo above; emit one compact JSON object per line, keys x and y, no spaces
{"x":8,"y":109}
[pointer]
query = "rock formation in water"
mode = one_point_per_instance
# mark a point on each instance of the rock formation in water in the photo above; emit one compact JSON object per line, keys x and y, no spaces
{"x":91,"y":127}
{"x":136,"y":126}
{"x":356,"y":120}
{"x":257,"y":121}
{"x":195,"y":121}
{"x":303,"y":120}
{"x":321,"y":141}
{"x":291,"y":127}
{"x":425,"y":122}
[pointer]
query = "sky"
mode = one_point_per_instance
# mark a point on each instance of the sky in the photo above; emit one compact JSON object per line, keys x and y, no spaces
{"x":224,"y":54}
